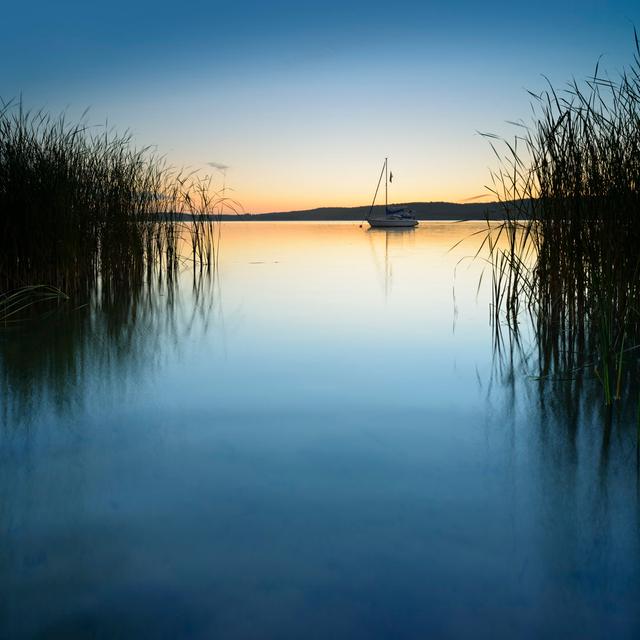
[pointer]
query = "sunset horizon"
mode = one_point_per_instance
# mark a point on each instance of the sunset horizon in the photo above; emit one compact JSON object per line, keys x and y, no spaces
{"x":302,"y":105}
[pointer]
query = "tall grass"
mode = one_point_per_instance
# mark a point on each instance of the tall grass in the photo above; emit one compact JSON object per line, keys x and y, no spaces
{"x":81,"y":206}
{"x":570,"y":190}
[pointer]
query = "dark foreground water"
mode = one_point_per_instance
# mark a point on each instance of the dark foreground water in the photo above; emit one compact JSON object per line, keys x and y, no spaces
{"x":319,"y":443}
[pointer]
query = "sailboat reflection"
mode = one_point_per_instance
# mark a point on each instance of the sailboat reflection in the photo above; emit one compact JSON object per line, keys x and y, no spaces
{"x":393,"y":239}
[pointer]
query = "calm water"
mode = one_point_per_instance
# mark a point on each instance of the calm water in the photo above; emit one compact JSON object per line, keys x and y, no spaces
{"x":318,"y":443}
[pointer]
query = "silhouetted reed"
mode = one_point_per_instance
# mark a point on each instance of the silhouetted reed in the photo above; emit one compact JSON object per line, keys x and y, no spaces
{"x":567,"y":253}
{"x":80,"y":206}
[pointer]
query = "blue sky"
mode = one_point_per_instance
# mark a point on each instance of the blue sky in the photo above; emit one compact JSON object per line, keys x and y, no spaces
{"x":304,"y":100}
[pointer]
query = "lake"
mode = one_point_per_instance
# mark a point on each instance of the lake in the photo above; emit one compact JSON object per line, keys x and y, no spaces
{"x":318,"y":441}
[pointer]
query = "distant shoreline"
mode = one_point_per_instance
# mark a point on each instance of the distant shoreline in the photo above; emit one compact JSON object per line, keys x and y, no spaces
{"x":436,"y":211}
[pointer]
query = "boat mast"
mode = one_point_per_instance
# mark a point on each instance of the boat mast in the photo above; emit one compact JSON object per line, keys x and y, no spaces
{"x":386,"y":187}
{"x":375,"y":195}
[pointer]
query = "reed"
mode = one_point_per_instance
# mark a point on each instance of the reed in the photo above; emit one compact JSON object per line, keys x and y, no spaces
{"x":81,"y":206}
{"x":566,"y":254}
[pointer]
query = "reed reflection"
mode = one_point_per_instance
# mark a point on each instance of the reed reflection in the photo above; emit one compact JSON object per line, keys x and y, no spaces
{"x":55,"y":359}
{"x":563,"y":405}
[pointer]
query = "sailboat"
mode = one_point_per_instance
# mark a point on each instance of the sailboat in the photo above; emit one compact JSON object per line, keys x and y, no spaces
{"x":399,"y":217}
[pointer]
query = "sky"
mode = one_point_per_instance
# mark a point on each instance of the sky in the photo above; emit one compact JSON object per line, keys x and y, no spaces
{"x":302,"y":101}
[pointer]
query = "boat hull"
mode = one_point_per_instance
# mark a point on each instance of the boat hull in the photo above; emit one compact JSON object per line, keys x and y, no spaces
{"x":386,"y":222}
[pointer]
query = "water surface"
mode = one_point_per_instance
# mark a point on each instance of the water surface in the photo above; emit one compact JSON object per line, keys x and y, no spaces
{"x":318,"y":442}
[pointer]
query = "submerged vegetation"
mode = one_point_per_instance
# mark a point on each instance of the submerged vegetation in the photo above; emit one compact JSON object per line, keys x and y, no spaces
{"x":81,"y":208}
{"x":567,"y":254}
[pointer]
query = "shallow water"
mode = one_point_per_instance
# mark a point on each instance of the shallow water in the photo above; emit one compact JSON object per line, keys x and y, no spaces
{"x":319,"y":442}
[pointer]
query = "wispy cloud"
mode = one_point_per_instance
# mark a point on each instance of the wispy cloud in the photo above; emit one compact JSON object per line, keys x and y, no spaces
{"x":479,"y":197}
{"x":218,"y":165}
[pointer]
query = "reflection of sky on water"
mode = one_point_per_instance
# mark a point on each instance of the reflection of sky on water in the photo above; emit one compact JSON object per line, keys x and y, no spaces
{"x":329,"y":452}
{"x":378,"y":311}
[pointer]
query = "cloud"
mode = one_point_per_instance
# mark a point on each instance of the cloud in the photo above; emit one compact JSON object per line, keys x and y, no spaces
{"x":218,"y":165}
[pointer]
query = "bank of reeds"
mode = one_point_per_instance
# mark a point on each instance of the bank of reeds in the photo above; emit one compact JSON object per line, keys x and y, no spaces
{"x":81,"y":206}
{"x":568,"y":251}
